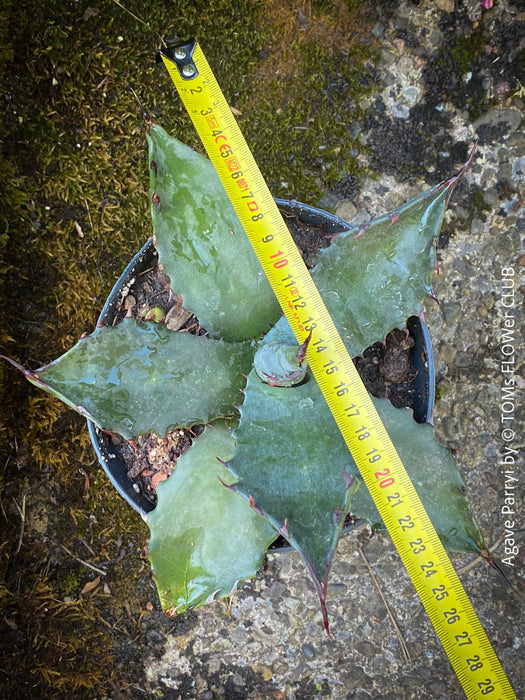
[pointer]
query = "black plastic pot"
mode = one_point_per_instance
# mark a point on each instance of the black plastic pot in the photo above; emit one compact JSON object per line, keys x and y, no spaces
{"x":109,"y":457}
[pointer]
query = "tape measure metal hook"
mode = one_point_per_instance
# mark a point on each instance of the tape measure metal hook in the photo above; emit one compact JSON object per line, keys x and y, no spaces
{"x":182,"y":57}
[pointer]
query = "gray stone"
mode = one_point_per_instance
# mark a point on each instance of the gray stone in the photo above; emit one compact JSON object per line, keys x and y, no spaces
{"x":518,"y":169}
{"x":411,"y":94}
{"x":400,"y":111}
{"x":378,"y":30}
{"x":346,"y":210}
{"x":308,"y":650}
{"x":487,"y":175}
{"x":388,"y":57}
{"x":509,"y":119}
{"x":277,"y":589}
{"x":491,"y":197}
{"x":516,"y":140}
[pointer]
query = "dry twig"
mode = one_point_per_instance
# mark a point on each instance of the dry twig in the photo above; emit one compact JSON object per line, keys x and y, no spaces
{"x":81,"y":561}
{"x":22,"y":512}
{"x":402,"y":642}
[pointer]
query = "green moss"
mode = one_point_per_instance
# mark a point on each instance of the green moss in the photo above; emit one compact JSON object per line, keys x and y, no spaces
{"x":467,"y":49}
{"x":68,"y":580}
{"x":74,"y":210}
{"x":478,"y":202}
{"x":304,"y":119}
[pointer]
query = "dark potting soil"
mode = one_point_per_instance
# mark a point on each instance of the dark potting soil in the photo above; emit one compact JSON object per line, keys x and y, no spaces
{"x":386,"y":368}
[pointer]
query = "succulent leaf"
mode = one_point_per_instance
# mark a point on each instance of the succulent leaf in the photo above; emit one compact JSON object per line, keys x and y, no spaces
{"x":387,"y":270}
{"x":287,"y":467}
{"x":204,"y":537}
{"x":300,"y":476}
{"x":433,"y":470}
{"x":140,"y":378}
{"x":202,"y":244}
{"x":372,"y":280}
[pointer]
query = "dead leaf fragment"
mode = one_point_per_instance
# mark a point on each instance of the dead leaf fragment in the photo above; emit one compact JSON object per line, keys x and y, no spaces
{"x":177,"y":315}
{"x":90,"y":585}
{"x":90,"y":12}
{"x":157,"y":478}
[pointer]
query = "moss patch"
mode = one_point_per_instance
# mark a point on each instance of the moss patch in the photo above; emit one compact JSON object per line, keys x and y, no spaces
{"x":467,"y":48}
{"x":309,"y":95}
{"x":74,"y":210}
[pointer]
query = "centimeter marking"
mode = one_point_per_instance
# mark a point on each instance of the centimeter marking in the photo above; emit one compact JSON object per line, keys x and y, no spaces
{"x":418,"y":544}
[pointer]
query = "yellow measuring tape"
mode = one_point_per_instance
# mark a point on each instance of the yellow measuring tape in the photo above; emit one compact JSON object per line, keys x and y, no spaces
{"x":418,"y":544}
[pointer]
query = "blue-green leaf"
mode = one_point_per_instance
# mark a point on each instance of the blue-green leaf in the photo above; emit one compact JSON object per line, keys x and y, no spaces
{"x":204,"y":537}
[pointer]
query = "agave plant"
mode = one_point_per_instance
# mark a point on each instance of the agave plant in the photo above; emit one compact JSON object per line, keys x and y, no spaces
{"x":276,"y":465}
